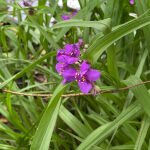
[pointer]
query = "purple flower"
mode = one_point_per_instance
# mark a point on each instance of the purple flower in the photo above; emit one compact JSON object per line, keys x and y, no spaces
{"x":84,"y":77}
{"x":68,"y":16}
{"x":70,"y":54}
{"x":131,"y":2}
{"x":67,"y":72}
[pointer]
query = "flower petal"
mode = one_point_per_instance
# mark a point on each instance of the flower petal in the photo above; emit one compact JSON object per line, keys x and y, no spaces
{"x":84,"y":68}
{"x":66,"y":59}
{"x":61,"y":55}
{"x":72,"y":50}
{"x":80,"y":43}
{"x":60,"y":67}
{"x":85,"y":87}
{"x":69,"y":74}
{"x":74,"y":13}
{"x":66,"y":17}
{"x":71,"y":60}
{"x":64,"y":81}
{"x":61,"y":58}
{"x":92,"y":75}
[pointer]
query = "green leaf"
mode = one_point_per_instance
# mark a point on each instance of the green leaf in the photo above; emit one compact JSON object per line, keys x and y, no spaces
{"x":45,"y":129}
{"x":73,"y":122}
{"x":142,"y":133}
{"x":140,"y":92}
{"x":98,"y":47}
{"x":27,"y":68}
{"x":104,"y":131}
{"x":100,"y":25}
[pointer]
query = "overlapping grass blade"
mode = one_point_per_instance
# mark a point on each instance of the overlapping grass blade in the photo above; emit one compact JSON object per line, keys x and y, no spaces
{"x":27,"y":68}
{"x":73,"y":122}
{"x":45,"y":129}
{"x":104,"y":131}
{"x":98,"y":47}
{"x":100,"y":25}
{"x":142,"y":133}
{"x":140,"y":92}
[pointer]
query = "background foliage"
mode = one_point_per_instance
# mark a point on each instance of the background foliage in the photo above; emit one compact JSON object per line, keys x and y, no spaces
{"x":119,"y":47}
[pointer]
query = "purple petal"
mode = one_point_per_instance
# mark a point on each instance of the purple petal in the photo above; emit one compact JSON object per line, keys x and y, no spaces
{"x":92,"y":75}
{"x":66,"y":59}
{"x":84,"y":68}
{"x":69,"y":74}
{"x":71,"y":60}
{"x":60,"y":67}
{"x":64,"y":81}
{"x":66,"y":17}
{"x":72,"y":50}
{"x":85,"y":87}
{"x":131,"y":2}
{"x":60,"y":54}
{"x":79,"y":44}
{"x":61,"y":58}
{"x":74,"y":13}
{"x":60,"y":51}
{"x":69,"y":49}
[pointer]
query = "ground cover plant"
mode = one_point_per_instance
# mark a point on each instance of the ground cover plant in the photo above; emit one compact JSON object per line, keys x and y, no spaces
{"x":75,"y":79}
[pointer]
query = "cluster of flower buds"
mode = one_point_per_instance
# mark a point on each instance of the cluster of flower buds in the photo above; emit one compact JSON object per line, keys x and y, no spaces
{"x":73,"y":69}
{"x":69,"y":16}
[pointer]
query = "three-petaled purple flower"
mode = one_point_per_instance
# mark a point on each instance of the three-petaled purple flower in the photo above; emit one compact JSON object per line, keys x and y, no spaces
{"x":84,"y":75}
{"x":131,"y":2}
{"x":70,"y":54}
{"x":68,"y":16}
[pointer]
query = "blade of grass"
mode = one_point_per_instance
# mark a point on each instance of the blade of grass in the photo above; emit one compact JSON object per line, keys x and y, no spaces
{"x":142,"y":133}
{"x":98,"y":47}
{"x":27,"y":68}
{"x":45,"y":129}
{"x":140,"y":92}
{"x":104,"y":131}
{"x":100,"y":25}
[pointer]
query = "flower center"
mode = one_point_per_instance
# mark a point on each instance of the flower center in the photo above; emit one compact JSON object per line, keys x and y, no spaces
{"x":79,"y":78}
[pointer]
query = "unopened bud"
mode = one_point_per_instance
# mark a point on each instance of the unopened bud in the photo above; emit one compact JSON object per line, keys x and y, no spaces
{"x":86,"y":45}
{"x":84,"y":50}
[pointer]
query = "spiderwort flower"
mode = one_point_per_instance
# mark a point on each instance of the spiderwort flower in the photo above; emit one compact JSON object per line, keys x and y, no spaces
{"x":70,"y":54}
{"x":85,"y":76}
{"x":131,"y":2}
{"x":67,"y":72}
{"x":68,"y":16}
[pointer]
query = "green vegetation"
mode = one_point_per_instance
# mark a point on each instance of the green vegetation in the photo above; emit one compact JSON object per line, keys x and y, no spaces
{"x":117,"y":45}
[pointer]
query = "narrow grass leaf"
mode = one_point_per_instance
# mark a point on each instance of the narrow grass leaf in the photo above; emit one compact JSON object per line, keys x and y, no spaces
{"x":104,"y":131}
{"x":142,"y":133}
{"x":98,"y":47}
{"x":73,"y":122}
{"x":140,"y":92}
{"x":27,"y":68}
{"x":45,"y":129}
{"x":100,"y":25}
